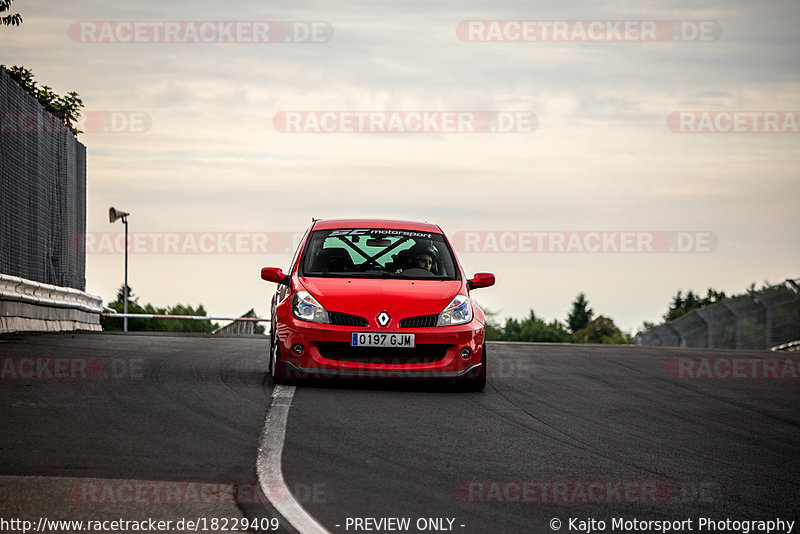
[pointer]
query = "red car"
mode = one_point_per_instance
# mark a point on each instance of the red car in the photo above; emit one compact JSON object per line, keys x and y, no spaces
{"x":371,"y":298}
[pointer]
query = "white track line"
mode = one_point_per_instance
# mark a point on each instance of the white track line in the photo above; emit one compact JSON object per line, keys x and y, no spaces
{"x":268,"y":465}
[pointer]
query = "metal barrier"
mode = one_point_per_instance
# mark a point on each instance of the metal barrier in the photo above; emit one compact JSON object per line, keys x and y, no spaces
{"x":243,"y":325}
{"x":240,"y":327}
{"x":184,"y":317}
{"x":26,"y":305}
{"x":759,"y":320}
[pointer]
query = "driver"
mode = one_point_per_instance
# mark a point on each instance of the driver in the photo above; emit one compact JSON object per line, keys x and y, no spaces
{"x":422,"y":257}
{"x":423,"y":261}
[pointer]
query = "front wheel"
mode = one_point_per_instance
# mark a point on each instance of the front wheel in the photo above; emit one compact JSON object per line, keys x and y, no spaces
{"x":475,"y":380}
{"x":275,"y":371}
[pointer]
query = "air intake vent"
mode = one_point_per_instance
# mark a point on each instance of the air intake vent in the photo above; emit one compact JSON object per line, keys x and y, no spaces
{"x":421,"y":321}
{"x":345,"y":319}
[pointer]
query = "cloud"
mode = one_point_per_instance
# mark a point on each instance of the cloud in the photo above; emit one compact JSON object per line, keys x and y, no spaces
{"x":601,"y":157}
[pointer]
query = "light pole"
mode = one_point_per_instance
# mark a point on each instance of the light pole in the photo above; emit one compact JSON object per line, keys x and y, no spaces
{"x":113,"y":215}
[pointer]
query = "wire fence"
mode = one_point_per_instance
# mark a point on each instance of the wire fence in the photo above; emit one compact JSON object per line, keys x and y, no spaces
{"x":759,"y":320}
{"x":42,"y":192}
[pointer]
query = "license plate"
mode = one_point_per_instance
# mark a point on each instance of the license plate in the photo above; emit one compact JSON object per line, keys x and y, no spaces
{"x":368,"y":339}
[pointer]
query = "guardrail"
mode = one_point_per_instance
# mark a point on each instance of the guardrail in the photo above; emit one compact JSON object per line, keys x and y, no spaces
{"x":792,"y":346}
{"x":26,"y":305}
{"x":14,"y":288}
{"x":243,"y":325}
{"x":186,"y":317}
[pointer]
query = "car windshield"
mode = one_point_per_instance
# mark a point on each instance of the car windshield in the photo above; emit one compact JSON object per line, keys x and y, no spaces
{"x":378,"y":253}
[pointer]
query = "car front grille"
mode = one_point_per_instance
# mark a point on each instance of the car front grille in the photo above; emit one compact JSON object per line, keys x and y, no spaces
{"x":345,"y":319}
{"x":421,"y":321}
{"x":382,"y":355}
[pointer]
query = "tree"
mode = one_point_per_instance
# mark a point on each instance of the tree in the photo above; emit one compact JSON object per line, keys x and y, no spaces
{"x":682,"y":305}
{"x":156,"y":325}
{"x":494,"y":332}
{"x":66,"y":108}
{"x":712,"y":295}
{"x":9,"y":20}
{"x":511,"y":330}
{"x":537,"y":330}
{"x":675,"y":308}
{"x":580,"y":315}
{"x":534,"y":329}
{"x":691,"y":301}
{"x":121,"y":295}
{"x":601,"y":330}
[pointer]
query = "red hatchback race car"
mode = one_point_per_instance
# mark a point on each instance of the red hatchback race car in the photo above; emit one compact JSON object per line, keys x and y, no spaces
{"x":377,"y":299}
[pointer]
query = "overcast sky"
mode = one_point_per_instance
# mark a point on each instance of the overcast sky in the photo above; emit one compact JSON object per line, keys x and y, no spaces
{"x":203,"y":152}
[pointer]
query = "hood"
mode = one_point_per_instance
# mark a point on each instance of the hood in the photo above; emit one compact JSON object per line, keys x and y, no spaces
{"x":369,"y":297}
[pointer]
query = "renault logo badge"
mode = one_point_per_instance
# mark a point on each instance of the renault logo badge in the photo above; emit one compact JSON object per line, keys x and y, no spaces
{"x":383,"y":318}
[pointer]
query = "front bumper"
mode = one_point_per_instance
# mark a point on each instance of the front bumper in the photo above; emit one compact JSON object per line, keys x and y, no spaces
{"x":327,"y":353}
{"x":292,"y":371}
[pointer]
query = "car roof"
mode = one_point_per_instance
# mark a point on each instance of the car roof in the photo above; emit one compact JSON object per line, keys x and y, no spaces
{"x":389,"y":224}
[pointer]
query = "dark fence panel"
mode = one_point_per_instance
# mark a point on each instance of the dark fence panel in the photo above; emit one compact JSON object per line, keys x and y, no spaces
{"x":42,"y":193}
{"x":759,"y":320}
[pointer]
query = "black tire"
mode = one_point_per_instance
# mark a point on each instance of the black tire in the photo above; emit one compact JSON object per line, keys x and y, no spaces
{"x":276,"y":370}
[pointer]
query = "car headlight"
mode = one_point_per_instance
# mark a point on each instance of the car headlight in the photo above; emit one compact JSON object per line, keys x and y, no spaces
{"x":306,"y":308}
{"x":459,"y":311}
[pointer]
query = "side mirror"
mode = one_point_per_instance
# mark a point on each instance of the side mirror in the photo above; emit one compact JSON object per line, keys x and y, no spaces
{"x":275,"y":274}
{"x":481,"y":280}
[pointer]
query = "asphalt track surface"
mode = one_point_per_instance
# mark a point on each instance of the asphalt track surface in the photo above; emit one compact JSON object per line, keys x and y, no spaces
{"x":190,"y":409}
